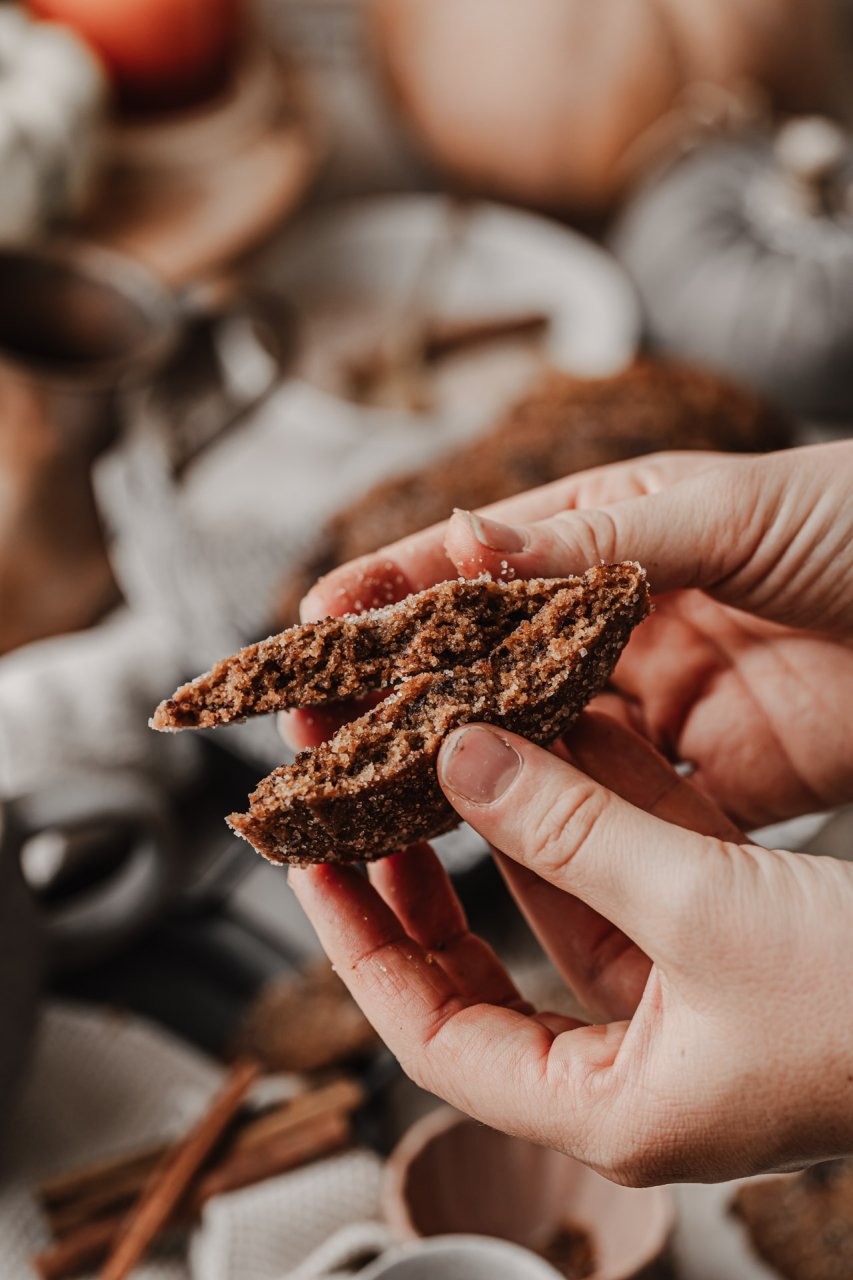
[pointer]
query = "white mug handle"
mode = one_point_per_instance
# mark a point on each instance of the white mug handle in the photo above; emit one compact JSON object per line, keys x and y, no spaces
{"x":439,"y":1257}
{"x":345,"y":1252}
{"x":451,"y":1257}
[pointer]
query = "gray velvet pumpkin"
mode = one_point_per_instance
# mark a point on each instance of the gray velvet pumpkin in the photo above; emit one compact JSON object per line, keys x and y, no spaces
{"x":53,"y":95}
{"x":743,"y":255}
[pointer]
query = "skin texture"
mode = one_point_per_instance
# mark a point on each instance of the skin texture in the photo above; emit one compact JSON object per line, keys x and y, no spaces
{"x":716,"y":972}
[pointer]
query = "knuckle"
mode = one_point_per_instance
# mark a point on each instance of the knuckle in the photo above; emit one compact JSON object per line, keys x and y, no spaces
{"x":590,"y":536}
{"x":436,"y":1021}
{"x":657,"y":470}
{"x":565,"y":828}
{"x":604,"y":533}
{"x":423,"y":1056}
{"x":660,"y":460}
{"x":686,"y":896}
{"x":693,"y":898}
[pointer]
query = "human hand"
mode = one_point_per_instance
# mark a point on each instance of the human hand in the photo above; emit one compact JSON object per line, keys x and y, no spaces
{"x":746,"y":668}
{"x":724,"y":967}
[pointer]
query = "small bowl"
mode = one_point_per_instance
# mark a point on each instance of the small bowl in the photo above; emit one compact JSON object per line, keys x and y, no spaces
{"x":450,"y":1174}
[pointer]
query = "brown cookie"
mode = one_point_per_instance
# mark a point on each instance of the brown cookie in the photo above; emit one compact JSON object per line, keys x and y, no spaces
{"x":451,"y":623}
{"x":802,"y":1226}
{"x":564,"y":425}
{"x":373,"y":787}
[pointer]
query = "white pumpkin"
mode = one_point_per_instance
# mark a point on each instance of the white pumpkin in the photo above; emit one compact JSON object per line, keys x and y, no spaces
{"x":544,"y":100}
{"x":53,"y":93}
{"x":743,"y":256}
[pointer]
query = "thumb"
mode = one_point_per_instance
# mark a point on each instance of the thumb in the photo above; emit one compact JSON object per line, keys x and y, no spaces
{"x":647,"y":876}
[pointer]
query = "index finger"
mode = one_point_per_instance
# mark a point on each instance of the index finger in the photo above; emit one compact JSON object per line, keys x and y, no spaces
{"x":503,"y":1067}
{"x":421,"y":559}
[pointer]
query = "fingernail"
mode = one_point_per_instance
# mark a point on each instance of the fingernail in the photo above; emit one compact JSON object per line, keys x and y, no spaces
{"x":307,"y":609}
{"x":479,"y":765}
{"x":494,"y":535}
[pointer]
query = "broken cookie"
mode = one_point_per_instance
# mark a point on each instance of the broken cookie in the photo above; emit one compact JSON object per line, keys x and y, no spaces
{"x":524,"y":656}
{"x":447,"y":625}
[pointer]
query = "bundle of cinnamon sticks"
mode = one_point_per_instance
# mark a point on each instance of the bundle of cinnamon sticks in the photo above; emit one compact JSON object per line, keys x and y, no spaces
{"x":109,"y":1212}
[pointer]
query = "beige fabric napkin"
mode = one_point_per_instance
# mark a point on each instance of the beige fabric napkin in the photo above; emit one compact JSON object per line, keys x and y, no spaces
{"x":266,"y":1232}
{"x":102,"y":1083}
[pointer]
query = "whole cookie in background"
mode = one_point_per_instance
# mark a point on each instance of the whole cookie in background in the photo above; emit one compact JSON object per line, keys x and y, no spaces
{"x":563,"y":425}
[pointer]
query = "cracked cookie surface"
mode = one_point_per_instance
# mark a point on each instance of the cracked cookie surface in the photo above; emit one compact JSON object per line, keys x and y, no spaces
{"x":373,"y":787}
{"x":449,"y":624}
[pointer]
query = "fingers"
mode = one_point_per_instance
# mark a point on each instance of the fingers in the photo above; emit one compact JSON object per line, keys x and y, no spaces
{"x":606,"y":970}
{"x":640,"y":872}
{"x":506,"y":1069}
{"x":311,"y":726}
{"x":367,"y":583}
{"x":382,"y":966}
{"x":760,"y":533}
{"x":624,"y":762}
{"x":699,"y":668}
{"x":420,"y":560}
{"x":679,"y":535}
{"x":416,"y":887}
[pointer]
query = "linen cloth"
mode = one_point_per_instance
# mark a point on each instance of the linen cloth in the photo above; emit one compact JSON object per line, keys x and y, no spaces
{"x":101,"y":1083}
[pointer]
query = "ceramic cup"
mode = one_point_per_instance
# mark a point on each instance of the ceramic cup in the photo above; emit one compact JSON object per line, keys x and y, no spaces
{"x":85,"y":865}
{"x":81,"y":327}
{"x":449,"y":1174}
{"x":99,"y":854}
{"x":460,"y":1258}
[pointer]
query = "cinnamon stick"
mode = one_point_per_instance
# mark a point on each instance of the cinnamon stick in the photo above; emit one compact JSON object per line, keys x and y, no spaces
{"x":283,"y":1151}
{"x":85,"y":1247}
{"x":344,"y":1095}
{"x":79,"y":1251}
{"x":443,"y":337}
{"x":119,"y":1192}
{"x":76,"y":1183}
{"x":380,"y":374}
{"x":306,"y":1127}
{"x":170,"y":1184}
{"x":73,"y":1198}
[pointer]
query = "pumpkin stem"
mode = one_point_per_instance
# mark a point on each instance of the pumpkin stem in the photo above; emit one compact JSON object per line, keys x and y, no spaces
{"x":811,"y":151}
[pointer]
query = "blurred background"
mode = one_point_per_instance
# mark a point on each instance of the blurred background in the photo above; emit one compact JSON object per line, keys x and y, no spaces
{"x":281,"y":282}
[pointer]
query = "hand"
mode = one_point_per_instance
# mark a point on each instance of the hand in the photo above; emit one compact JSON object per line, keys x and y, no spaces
{"x":746,"y":669}
{"x":717,"y":968}
{"x":725,"y":966}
